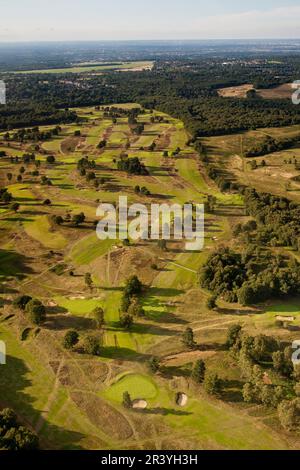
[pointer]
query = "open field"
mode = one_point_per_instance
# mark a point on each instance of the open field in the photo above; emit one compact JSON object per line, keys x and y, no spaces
{"x":278,"y":176}
{"x":74,"y":400}
{"x":96,"y":68}
{"x":279,"y":92}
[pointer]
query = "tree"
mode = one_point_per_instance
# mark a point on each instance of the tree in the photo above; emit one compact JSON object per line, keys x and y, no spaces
{"x":188,"y":338}
{"x":22,"y":301}
{"x":57,"y":219}
{"x":47,"y":202}
{"x":263,"y":347}
{"x":102,"y":144}
{"x":98,"y":314}
{"x":9,"y":176}
{"x":127,"y":403}
{"x":126,"y":321}
{"x":282,"y":364}
{"x":154,"y":364}
{"x":36,"y":311}
{"x":212,"y":302}
{"x":14,"y":436}
{"x":88,"y":280}
{"x":233,"y":334}
{"x":212,"y":384}
{"x":5,"y":196}
{"x":133,"y":286}
{"x":198,"y":372}
{"x":50,"y":159}
{"x":71,"y":338}
{"x":296,"y":372}
{"x":289,"y":414}
{"x":91,"y":345}
{"x":267,"y":395}
{"x":250,"y":393}
{"x":15,"y":206}
{"x":78,"y":219}
{"x":125,"y":302}
{"x":135,"y":309}
{"x":246,"y":295}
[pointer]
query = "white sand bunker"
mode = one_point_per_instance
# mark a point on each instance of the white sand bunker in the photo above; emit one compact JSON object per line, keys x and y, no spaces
{"x":181,"y":399}
{"x":139,"y":404}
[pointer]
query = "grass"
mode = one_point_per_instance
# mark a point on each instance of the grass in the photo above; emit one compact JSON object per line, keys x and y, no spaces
{"x":79,"y":307}
{"x":93,"y":68}
{"x":40,"y":229}
{"x":137,"y":385}
{"x":90,"y":248}
{"x":26,"y":386}
{"x":172,"y":299}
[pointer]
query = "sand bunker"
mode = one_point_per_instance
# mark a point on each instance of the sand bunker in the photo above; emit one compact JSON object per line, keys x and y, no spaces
{"x":139,"y":404}
{"x":182,"y":399}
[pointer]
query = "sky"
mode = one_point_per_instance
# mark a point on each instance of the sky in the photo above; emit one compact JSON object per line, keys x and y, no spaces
{"x":62,"y":20}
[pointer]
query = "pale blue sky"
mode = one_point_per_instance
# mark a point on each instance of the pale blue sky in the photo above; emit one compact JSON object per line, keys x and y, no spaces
{"x":22,"y":20}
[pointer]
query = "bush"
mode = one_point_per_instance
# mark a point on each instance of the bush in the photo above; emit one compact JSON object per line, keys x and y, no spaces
{"x":212,"y":384}
{"x":92,"y":346}
{"x":71,"y":338}
{"x":36,"y":311}
{"x":126,"y":321}
{"x":22,"y":301}
{"x":289,"y":414}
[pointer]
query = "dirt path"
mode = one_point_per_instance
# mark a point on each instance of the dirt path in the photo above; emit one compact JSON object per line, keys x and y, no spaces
{"x":179,"y":265}
{"x":51,"y":399}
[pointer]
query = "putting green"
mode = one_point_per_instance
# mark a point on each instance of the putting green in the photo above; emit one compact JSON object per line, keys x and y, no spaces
{"x":137,"y":385}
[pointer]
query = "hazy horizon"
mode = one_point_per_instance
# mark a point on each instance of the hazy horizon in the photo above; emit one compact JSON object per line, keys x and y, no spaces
{"x":98,"y":20}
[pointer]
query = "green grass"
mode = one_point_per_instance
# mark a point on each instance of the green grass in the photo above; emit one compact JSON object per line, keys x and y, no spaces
{"x":41,"y":231}
{"x":137,"y":385}
{"x":27,"y":385}
{"x":268,"y":318}
{"x":79,"y":307}
{"x":90,"y":248}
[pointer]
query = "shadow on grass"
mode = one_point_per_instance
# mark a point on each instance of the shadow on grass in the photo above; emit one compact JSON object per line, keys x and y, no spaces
{"x":118,"y":353}
{"x":14,"y":264}
{"x":68,"y":322}
{"x":232,"y":391}
{"x":15,"y":388}
{"x":168,"y":372}
{"x":164,"y":412}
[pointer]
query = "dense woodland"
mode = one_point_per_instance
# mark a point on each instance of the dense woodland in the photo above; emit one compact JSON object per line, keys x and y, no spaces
{"x":186,"y":89}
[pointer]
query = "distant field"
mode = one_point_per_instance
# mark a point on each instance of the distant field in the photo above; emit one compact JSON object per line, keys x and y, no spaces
{"x":124,"y":66}
{"x":282,"y":91}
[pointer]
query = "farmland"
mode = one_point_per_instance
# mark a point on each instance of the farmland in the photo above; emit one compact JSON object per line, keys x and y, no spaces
{"x":96,"y":68}
{"x":73,"y":400}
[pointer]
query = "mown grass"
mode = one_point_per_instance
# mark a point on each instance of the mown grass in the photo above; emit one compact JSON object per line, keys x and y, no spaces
{"x":40,"y":229}
{"x":90,"y":248}
{"x":137,"y":385}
